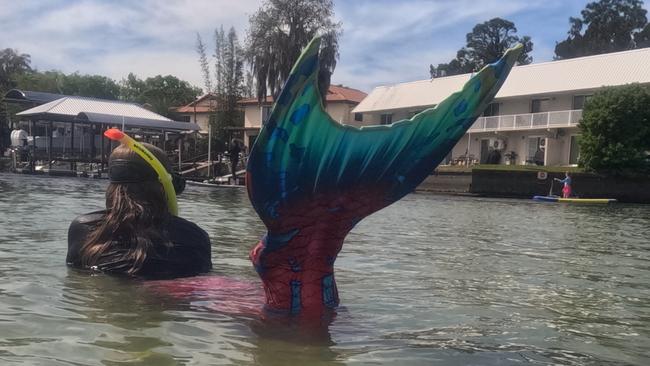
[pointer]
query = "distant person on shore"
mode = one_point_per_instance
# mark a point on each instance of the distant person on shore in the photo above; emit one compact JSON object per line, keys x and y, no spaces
{"x":137,"y":235}
{"x":233,"y":153}
{"x":566,"y":190}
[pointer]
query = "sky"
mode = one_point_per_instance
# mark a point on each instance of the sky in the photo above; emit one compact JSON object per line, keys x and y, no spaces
{"x":383,"y":42}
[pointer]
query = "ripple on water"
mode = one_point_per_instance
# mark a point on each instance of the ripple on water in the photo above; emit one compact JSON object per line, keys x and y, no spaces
{"x":429,"y":280}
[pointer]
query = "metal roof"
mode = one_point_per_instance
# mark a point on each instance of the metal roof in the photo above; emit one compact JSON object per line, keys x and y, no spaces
{"x":335,"y":93}
{"x":91,"y":110}
{"x":27,"y":96}
{"x":115,"y":120}
{"x":563,"y":76}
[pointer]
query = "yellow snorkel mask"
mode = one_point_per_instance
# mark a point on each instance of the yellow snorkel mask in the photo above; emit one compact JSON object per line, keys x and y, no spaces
{"x":163,"y":175}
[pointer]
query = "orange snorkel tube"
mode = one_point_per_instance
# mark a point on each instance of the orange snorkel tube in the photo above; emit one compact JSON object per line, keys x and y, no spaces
{"x":163,"y":175}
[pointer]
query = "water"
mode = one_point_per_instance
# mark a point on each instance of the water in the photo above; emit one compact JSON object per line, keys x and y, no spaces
{"x":429,"y":280}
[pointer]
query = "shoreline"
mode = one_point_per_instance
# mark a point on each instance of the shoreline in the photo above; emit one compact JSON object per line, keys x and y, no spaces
{"x":490,"y":183}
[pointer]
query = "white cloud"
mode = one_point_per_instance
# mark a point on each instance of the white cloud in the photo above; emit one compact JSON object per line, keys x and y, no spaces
{"x":151,"y":63}
{"x":383,"y":44}
{"x":383,"y":41}
{"x":113,"y":38}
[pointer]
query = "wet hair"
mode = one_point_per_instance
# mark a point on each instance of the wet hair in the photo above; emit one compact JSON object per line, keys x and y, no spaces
{"x":136,"y":216}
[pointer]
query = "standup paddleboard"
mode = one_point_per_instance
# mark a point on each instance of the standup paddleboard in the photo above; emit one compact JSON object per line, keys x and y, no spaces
{"x":573,"y":200}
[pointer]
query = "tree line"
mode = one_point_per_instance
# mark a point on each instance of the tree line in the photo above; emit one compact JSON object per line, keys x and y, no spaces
{"x":279,"y":29}
{"x":158,"y":92}
{"x":603,"y":26}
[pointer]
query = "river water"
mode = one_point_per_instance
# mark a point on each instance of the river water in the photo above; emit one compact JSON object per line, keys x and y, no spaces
{"x":429,"y":280}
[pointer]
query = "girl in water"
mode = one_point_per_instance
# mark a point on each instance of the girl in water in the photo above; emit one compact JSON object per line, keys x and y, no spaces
{"x":137,"y":235}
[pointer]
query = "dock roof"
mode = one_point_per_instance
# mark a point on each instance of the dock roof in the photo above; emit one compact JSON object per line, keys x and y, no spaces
{"x":91,"y":110}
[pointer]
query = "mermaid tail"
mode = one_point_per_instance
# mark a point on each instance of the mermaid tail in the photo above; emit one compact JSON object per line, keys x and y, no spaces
{"x":311,"y":179}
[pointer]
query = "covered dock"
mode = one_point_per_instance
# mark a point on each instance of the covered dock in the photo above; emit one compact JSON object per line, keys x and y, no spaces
{"x":70,"y":129}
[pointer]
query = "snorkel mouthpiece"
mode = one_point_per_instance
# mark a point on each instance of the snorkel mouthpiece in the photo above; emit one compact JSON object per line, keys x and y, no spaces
{"x":163,"y":175}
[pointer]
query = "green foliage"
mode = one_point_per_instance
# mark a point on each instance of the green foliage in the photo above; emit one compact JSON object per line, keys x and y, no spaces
{"x":95,"y":86}
{"x":616,"y":131}
{"x":486,"y":43}
{"x":12,"y":65}
{"x":48,"y":81}
{"x":642,"y":38}
{"x":278,"y":32}
{"x":606,"y":26}
{"x":159,"y":92}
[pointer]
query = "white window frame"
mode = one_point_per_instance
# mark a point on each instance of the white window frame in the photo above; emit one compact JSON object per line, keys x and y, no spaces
{"x":585,"y":96}
{"x":528,"y":137}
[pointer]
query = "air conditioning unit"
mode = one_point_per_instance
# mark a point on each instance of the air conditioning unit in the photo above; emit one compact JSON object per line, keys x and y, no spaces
{"x":497,"y":144}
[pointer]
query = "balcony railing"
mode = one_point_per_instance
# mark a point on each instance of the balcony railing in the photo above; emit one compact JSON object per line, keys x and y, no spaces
{"x":527,"y":121}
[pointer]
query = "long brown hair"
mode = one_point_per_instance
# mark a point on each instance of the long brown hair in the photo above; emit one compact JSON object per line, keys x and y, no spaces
{"x":135,"y":221}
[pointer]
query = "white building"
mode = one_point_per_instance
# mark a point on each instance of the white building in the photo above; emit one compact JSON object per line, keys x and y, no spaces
{"x":534,"y":116}
{"x":198,"y":111}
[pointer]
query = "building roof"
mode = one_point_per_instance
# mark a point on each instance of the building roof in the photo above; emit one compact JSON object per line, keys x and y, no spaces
{"x":195,"y":106}
{"x":27,"y":96}
{"x":340,"y":93}
{"x":335,"y":93}
{"x":577,"y":74}
{"x":91,"y":110}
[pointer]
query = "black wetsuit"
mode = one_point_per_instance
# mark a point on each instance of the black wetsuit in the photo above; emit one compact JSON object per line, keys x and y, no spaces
{"x":190,"y":253}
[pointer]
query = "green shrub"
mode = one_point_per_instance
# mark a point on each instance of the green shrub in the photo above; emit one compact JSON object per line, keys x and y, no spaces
{"x":615,"y":128}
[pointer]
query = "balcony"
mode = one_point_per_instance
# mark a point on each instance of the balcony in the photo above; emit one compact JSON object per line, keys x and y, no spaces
{"x":527,"y":121}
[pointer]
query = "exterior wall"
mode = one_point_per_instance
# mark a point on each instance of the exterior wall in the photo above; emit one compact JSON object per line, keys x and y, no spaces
{"x":341,"y":112}
{"x":514,"y":106}
{"x":370,"y":119}
{"x":562,"y":102}
{"x":470,"y":144}
{"x":201,"y":119}
{"x":558,"y":143}
{"x":558,"y":140}
{"x":252,"y":116}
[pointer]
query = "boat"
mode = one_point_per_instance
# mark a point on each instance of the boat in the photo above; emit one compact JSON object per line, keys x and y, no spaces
{"x":573,"y":200}
{"x":212,"y":185}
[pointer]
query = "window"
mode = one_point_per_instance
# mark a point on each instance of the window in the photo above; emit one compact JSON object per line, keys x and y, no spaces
{"x":266,"y":110}
{"x":580,"y":100}
{"x":491,"y":110}
{"x":574,"y":150}
{"x":536,"y":150}
{"x":386,"y":119}
{"x":539,"y":105}
{"x":184,"y":118}
{"x":358,"y":117}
